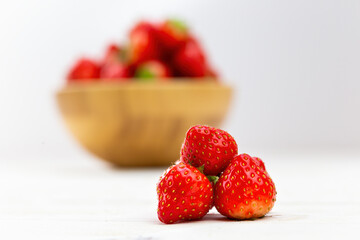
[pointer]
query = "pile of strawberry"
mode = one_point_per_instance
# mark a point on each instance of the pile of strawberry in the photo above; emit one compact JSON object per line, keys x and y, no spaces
{"x":153,"y":51}
{"x":211,"y":173}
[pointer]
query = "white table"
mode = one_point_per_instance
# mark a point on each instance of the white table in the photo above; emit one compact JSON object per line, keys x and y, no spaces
{"x":82,"y":198}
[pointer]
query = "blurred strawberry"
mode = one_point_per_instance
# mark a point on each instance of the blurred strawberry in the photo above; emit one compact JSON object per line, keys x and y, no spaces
{"x":115,"y":70}
{"x":112,"y":54}
{"x":153,"y":69}
{"x":84,"y":70}
{"x":113,"y":67}
{"x":189,"y":60}
{"x":143,"y":43}
{"x":210,"y":72}
{"x":172,"y":33}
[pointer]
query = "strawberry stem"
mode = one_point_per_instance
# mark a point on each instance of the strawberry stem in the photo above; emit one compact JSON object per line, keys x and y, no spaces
{"x":201,"y":169}
{"x":213,"y":179}
{"x":178,"y":25}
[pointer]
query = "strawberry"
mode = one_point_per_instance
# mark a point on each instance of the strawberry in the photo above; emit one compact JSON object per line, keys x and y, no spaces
{"x":113,"y":67}
{"x":189,"y":60}
{"x":184,"y":193}
{"x":172,"y":34}
{"x":84,"y":70}
{"x":259,"y":163}
{"x":115,"y":70}
{"x":153,"y":69}
{"x":112,"y":54}
{"x":208,"y":146}
{"x":143,"y":43}
{"x":244,"y":190}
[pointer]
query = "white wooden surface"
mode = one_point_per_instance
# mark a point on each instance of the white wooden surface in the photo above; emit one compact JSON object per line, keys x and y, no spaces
{"x":82,"y":198}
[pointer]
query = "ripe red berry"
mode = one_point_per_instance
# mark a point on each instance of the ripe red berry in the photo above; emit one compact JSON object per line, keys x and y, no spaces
{"x":189,"y":60}
{"x":84,"y":70}
{"x":143,"y":43}
{"x":259,"y":162}
{"x":244,"y":190}
{"x":208,"y":146}
{"x":115,"y":70}
{"x":153,"y":69}
{"x":172,"y":34}
{"x":184,"y":193}
{"x":112,"y":54}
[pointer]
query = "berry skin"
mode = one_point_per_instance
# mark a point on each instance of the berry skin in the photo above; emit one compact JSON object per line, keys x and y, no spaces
{"x":208,"y":146}
{"x":172,"y":34}
{"x":189,"y":60}
{"x":115,"y":71}
{"x":113,"y":66}
{"x":184,"y":193}
{"x":244,"y":190}
{"x":143,"y":43}
{"x":84,"y":70}
{"x":152,"y":69}
{"x":260,"y":163}
{"x":112,"y":54}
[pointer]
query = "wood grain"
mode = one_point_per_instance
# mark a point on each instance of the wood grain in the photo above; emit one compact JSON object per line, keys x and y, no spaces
{"x":140,"y":124}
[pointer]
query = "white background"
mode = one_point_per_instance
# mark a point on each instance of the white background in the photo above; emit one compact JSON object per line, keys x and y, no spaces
{"x":296,"y":68}
{"x":296,"y":65}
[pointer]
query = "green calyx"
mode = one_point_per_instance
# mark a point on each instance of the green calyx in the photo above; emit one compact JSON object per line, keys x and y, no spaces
{"x":144,"y":73}
{"x":212,"y":179}
{"x":178,"y":25}
{"x":201,"y":169}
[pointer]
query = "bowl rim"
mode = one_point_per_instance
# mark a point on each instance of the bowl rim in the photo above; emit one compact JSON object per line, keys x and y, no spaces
{"x":179,"y":83}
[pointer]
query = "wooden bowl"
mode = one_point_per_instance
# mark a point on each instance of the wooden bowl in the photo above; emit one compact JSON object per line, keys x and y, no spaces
{"x":138,"y":123}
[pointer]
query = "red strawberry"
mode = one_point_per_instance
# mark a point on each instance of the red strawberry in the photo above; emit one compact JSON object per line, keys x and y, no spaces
{"x":208,"y":146}
{"x":172,"y":33}
{"x":84,"y":70}
{"x":143,"y":43}
{"x":259,"y":162}
{"x":153,"y":69}
{"x":244,"y":190}
{"x":112,"y":54}
{"x":189,"y":60}
{"x":184,"y":193}
{"x":115,"y":70}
